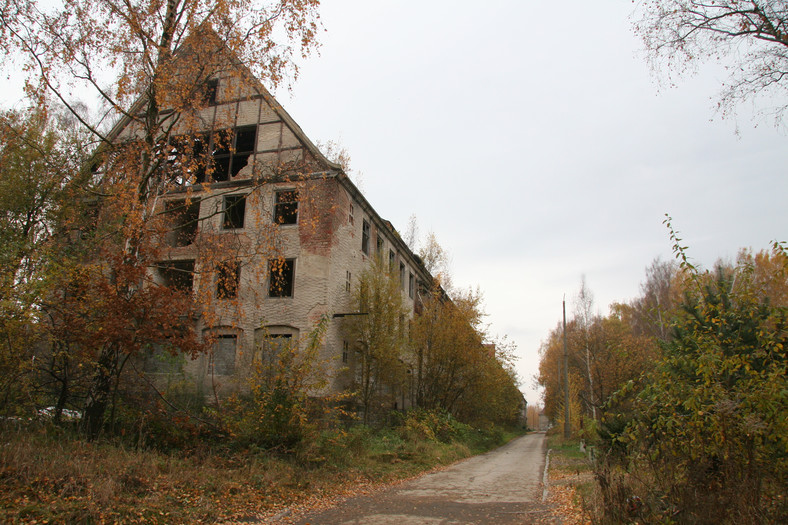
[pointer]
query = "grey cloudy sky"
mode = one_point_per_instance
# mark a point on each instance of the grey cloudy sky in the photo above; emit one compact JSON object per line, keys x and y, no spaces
{"x":534,"y":141}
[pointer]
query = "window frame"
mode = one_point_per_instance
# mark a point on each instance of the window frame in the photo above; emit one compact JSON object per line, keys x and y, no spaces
{"x":173,"y":271}
{"x":184,"y":216}
{"x":211,"y":92}
{"x":228,"y":222}
{"x":284,"y":216}
{"x":365,"y":235}
{"x":212,"y":362}
{"x":227,"y":285}
{"x":288,"y":289}
{"x":229,"y":154}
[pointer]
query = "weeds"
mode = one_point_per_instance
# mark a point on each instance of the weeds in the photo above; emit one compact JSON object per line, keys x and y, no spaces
{"x":51,"y":474}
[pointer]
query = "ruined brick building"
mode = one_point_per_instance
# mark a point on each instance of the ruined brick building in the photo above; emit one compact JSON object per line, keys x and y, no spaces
{"x":294,"y":233}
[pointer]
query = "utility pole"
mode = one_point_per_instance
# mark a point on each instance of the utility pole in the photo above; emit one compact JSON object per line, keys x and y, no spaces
{"x":567,"y":424}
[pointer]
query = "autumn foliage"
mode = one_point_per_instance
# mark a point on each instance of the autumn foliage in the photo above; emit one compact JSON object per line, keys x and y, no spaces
{"x":689,"y":383}
{"x":438,"y":360}
{"x":711,"y":416}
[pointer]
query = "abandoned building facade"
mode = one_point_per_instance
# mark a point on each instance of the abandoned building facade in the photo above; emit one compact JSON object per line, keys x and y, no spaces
{"x":290,"y":233}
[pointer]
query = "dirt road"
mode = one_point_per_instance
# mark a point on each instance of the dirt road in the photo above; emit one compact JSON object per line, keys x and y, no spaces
{"x":500,"y":487}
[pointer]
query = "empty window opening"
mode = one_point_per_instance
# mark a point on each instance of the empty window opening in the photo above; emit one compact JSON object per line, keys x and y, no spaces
{"x":178,"y":275}
{"x":280,"y":280}
{"x":402,"y":275}
{"x":228,"y":276}
{"x":286,"y":207}
{"x":350,"y":217}
{"x":411,"y":285}
{"x":392,"y":260}
{"x":210,"y":92}
{"x":183,"y":218}
{"x":234,"y":211}
{"x":345,"y":351}
{"x":365,"y":237}
{"x":347,"y":281}
{"x":222,"y":359}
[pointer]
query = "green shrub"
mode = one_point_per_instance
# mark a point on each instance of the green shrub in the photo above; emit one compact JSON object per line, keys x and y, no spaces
{"x":709,"y":428}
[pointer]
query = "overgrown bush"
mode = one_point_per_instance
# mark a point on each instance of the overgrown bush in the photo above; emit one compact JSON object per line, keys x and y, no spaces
{"x":706,"y":438}
{"x":276,"y":411}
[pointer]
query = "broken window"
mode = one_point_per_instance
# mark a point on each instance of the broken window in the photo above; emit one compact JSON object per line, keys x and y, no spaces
{"x":228,"y":276}
{"x":186,"y":158}
{"x":178,"y":275}
{"x":411,"y":286}
{"x":392,"y":260}
{"x":365,"y":237}
{"x":350,"y":218}
{"x":280,"y":280}
{"x":222,"y":359}
{"x":231,"y":151}
{"x":183,"y":217}
{"x":286,"y":207}
{"x":234,"y":211}
{"x":402,"y":275}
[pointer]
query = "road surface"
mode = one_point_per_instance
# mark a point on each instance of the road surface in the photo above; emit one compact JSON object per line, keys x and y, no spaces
{"x":500,"y":487}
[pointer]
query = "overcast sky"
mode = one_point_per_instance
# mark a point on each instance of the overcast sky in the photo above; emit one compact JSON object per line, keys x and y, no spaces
{"x":534,"y":141}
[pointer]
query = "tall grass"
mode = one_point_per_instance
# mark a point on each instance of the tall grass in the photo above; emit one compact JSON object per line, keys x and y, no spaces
{"x":50,"y":474}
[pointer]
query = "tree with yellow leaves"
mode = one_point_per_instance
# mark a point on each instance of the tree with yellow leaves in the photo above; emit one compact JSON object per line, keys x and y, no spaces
{"x":152,"y":67}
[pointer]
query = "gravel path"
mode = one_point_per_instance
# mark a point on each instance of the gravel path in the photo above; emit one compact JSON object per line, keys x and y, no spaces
{"x":503,"y":486}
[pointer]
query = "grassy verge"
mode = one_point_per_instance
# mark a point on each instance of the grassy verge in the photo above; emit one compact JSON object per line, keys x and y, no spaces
{"x":571,"y":480}
{"x":48,"y":475}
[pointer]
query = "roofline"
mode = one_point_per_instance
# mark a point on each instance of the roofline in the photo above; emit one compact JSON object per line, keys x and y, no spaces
{"x":348,"y":184}
{"x":128,"y":116}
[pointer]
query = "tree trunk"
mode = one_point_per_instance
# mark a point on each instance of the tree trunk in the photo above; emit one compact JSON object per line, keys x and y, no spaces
{"x":62,"y":395}
{"x":98,"y":395}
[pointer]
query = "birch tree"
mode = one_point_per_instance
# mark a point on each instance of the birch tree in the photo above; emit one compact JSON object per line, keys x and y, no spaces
{"x":750,"y":36}
{"x":585,"y":319}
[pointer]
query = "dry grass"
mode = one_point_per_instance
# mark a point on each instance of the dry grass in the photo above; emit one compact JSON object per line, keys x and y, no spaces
{"x":49,"y":476}
{"x":45,"y":479}
{"x":571,"y":482}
